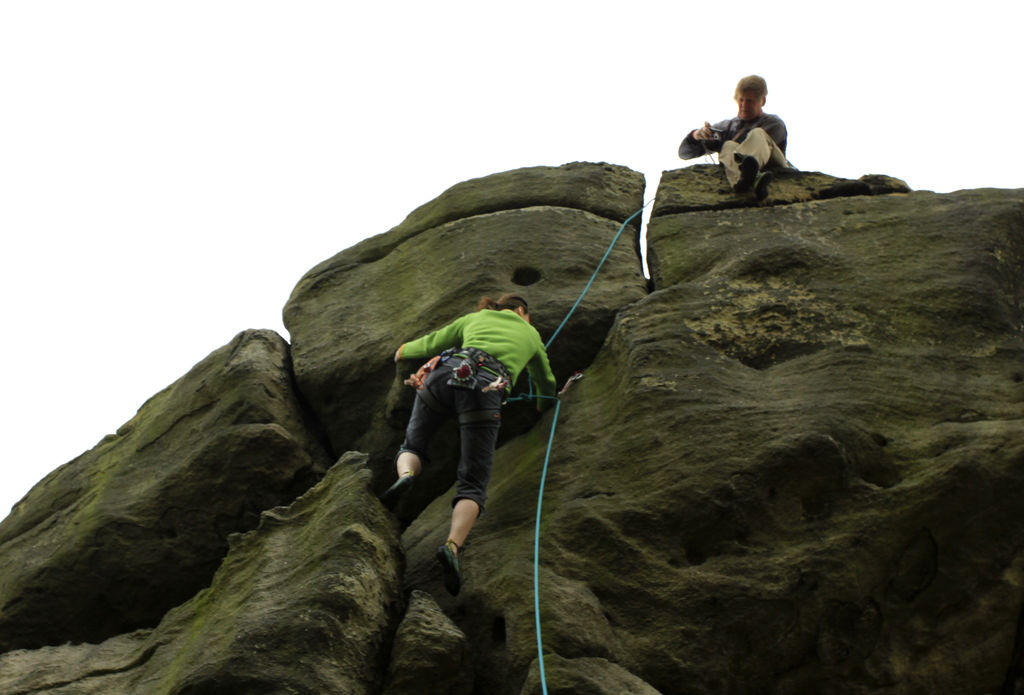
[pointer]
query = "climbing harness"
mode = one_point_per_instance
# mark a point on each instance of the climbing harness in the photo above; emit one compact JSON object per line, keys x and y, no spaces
{"x":468,"y":362}
{"x":478,"y":359}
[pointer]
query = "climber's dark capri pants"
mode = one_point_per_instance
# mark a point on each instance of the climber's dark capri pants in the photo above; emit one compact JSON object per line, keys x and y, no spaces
{"x":479,"y":416}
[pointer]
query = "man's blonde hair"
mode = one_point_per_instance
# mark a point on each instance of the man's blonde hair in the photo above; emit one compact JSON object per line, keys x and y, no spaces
{"x":752,"y":83}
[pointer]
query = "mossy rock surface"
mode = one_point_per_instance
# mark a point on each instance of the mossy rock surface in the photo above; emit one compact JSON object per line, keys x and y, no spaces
{"x":704,"y":187}
{"x":606,"y":190}
{"x":430,"y":653}
{"x":794,"y":465}
{"x":823,"y":497}
{"x":108,"y":542}
{"x":349,"y":315}
{"x":923,"y":268}
{"x":304,"y":604}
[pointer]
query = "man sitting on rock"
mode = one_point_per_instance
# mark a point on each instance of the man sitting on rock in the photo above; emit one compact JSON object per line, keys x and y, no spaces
{"x":747,"y":144}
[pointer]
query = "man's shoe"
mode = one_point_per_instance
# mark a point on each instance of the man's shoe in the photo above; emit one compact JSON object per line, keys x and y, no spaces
{"x":390,"y":497}
{"x":764,"y":180}
{"x":748,"y":172}
{"x":448,"y":556}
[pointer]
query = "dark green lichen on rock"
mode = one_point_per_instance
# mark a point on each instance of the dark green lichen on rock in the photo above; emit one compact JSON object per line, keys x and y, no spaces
{"x":110,"y":541}
{"x":539,"y":232}
{"x":794,"y":465}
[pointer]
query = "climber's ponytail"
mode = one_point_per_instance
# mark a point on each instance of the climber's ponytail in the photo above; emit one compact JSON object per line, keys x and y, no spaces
{"x":505,"y":301}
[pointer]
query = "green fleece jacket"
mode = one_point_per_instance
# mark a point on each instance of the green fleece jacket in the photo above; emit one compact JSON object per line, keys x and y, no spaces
{"x":505,"y":335}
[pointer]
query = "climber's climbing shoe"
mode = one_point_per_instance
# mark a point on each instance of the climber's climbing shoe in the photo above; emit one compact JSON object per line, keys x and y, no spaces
{"x":448,"y":556}
{"x":390,"y":497}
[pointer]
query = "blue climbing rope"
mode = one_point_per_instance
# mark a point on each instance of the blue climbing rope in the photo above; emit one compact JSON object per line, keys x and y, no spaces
{"x":547,"y":345}
{"x":593,"y":277}
{"x":547,"y":455}
{"x":536,"y":549}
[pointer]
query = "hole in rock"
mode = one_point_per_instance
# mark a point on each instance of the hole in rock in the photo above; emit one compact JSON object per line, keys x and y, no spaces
{"x":525,"y":276}
{"x":815,"y":507}
{"x":695,"y":556}
{"x":498,"y":630}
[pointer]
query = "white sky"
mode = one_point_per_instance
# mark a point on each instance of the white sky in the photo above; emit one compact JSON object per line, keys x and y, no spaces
{"x":169,"y":170}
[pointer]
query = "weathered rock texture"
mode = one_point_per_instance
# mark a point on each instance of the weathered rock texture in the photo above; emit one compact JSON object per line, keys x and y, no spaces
{"x":794,"y":466}
{"x":540,"y":232}
{"x":110,"y":541}
{"x":430,"y":655}
{"x":305,"y":604}
{"x":703,"y":187}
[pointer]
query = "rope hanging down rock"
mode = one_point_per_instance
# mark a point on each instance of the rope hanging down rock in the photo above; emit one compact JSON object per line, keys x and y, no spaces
{"x":547,"y":453}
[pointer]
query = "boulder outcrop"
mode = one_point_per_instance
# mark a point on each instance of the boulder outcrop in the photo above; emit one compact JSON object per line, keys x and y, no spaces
{"x":305,"y":603}
{"x":540,"y":232}
{"x":703,"y":187}
{"x":808,"y":485}
{"x":430,"y":653}
{"x":794,"y":464}
{"x":112,"y":540}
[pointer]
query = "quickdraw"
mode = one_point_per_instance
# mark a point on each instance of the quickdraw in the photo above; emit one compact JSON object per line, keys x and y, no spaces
{"x":577,"y":375}
{"x":417,"y":380}
{"x":499,"y":384}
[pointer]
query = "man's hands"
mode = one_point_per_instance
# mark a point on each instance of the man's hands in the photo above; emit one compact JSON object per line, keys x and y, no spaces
{"x":704,"y":133}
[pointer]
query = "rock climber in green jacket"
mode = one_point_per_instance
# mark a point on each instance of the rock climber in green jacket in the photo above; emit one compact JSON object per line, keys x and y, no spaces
{"x":492,"y":345}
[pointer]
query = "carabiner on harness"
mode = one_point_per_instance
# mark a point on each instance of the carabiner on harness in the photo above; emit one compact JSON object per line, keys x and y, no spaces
{"x":416,"y":380}
{"x":499,"y":384}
